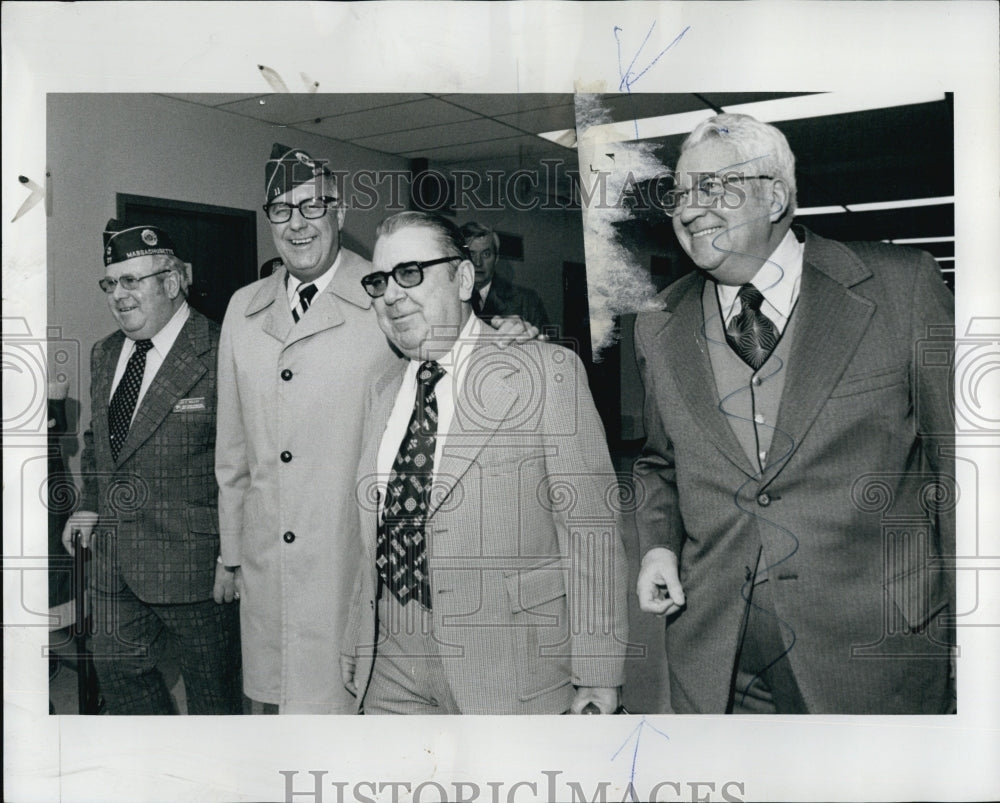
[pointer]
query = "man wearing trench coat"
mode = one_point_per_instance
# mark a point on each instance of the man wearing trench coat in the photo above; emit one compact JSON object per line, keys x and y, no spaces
{"x":290,"y":409}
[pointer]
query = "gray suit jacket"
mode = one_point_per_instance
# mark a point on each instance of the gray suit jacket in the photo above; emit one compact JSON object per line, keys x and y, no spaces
{"x":527,"y":567}
{"x":848,"y":509}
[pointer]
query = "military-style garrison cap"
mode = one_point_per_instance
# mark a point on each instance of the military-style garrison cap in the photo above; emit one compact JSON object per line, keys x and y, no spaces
{"x":124,"y":241}
{"x":289,"y":167}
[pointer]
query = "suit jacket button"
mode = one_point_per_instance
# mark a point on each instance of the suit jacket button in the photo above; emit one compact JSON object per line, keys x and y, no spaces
{"x":763,"y":500}
{"x":286,"y":374}
{"x":286,"y":457}
{"x":289,"y":537}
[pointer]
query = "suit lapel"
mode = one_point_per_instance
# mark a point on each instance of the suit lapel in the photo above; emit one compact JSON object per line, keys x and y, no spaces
{"x":325,"y":312}
{"x":831,"y":322}
{"x":477,"y":418}
{"x":385,"y":392}
{"x":101,"y":397}
{"x":181,"y":370}
{"x":684,"y":349}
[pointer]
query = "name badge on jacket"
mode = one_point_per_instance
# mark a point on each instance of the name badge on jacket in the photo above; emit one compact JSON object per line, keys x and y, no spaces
{"x":189,"y":405}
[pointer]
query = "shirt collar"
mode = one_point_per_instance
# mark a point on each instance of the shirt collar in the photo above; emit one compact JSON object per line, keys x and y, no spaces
{"x":778,"y":279}
{"x":164,"y":339}
{"x":292,"y":284}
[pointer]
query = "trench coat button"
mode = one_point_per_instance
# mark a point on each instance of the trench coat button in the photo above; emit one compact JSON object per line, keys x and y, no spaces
{"x":286,"y":374}
{"x":286,"y":457}
{"x":289,"y":537}
{"x":763,"y":500}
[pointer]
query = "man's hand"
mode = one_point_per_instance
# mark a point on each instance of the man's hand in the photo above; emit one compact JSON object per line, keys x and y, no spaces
{"x":348,"y":663}
{"x":659,"y":584}
{"x":82,"y":522}
{"x":227,"y":583}
{"x":605,"y":699}
{"x":514,"y":329}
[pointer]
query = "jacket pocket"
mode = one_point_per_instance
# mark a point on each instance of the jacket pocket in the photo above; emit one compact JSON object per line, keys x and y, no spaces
{"x":540,"y":622}
{"x":203,"y":519}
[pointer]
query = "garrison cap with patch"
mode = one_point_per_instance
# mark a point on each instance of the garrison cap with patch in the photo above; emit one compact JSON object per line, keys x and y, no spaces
{"x":124,"y":241}
{"x":289,"y":167}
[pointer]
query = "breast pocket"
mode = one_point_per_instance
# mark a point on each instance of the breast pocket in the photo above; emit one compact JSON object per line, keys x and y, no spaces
{"x":854,"y":384}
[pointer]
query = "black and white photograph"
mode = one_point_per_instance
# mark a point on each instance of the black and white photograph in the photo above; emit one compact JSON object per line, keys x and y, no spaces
{"x":436,"y":376}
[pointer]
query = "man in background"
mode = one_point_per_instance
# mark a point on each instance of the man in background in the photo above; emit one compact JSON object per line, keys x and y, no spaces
{"x":494,"y":294}
{"x":149,"y":490}
{"x":486,"y":593}
{"x":785,"y":402}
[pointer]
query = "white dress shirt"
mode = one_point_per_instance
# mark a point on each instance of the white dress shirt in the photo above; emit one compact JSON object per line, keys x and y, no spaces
{"x":292,"y":284}
{"x":453,"y":363}
{"x":162,"y":342}
{"x":778,"y":281}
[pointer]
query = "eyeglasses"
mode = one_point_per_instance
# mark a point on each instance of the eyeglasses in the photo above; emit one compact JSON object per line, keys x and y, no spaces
{"x":709,"y":189}
{"x":127,"y":282}
{"x":406,"y":274}
{"x":310,"y":208}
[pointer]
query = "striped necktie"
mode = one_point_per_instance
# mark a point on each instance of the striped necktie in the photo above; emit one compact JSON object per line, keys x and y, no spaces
{"x":306,"y":293}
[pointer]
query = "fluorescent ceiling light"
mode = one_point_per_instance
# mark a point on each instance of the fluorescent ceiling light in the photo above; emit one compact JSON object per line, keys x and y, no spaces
{"x":875,"y":207}
{"x":819,"y":210}
{"x":915,"y":240}
{"x":944,"y":259}
{"x":798,"y":107}
{"x":881,"y":205}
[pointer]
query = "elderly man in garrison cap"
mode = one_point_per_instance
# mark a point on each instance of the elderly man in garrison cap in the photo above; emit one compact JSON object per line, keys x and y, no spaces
{"x":149,"y":504}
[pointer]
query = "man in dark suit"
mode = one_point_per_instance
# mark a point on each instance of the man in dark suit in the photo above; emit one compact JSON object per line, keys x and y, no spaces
{"x":149,"y":505}
{"x":502,"y":589}
{"x":494,"y":294}
{"x":796,"y":479}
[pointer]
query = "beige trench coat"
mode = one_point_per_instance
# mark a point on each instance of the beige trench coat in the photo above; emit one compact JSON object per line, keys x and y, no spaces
{"x":290,"y":414}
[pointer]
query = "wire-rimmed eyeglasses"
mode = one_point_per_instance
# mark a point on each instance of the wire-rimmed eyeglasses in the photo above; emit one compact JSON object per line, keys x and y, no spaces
{"x":709,"y":189}
{"x":406,"y":274}
{"x":128,"y":282}
{"x":310,"y":209}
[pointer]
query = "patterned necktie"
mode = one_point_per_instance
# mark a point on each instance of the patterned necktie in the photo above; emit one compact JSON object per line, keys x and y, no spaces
{"x":306,"y":293}
{"x":401,"y":548}
{"x":752,"y":334}
{"x":126,"y":395}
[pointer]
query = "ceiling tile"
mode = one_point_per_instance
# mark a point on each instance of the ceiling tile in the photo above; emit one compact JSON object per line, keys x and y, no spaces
{"x":407,"y":140}
{"x":525,"y":149}
{"x":289,"y":108}
{"x":555,"y":118}
{"x":389,"y":120}
{"x":493,"y":105}
{"x":210,"y":98}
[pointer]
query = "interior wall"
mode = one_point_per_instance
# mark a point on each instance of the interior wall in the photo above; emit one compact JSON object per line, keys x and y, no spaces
{"x":102,"y":144}
{"x":550,"y":236}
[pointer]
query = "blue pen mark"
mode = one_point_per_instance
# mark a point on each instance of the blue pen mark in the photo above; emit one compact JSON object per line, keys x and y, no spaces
{"x":637,"y":735}
{"x":628,"y":76}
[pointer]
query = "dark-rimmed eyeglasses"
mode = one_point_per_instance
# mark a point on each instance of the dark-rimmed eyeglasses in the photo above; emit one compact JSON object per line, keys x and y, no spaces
{"x":406,"y":274}
{"x":709,"y":190}
{"x":310,"y":209}
{"x":128,"y":282}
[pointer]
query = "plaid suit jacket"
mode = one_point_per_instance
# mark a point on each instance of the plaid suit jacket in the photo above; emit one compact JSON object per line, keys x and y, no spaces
{"x":158,"y":503}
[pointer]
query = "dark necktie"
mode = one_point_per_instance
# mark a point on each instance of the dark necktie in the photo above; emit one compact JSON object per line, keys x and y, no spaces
{"x":752,"y":334}
{"x":306,"y":293}
{"x":126,"y":395}
{"x":401,"y":548}
{"x":477,"y":302}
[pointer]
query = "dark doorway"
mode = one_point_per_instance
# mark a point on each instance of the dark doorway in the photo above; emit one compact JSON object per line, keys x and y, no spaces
{"x":218,"y":241}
